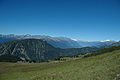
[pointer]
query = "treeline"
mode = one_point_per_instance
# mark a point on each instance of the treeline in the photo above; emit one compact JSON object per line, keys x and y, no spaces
{"x":9,"y":58}
{"x":13,"y":58}
{"x":102,"y":51}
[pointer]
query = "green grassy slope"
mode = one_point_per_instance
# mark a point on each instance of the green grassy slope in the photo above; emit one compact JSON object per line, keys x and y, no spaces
{"x":101,"y":67}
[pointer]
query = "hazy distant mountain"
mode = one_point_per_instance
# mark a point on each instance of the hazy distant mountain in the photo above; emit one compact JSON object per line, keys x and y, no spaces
{"x":96,"y":43}
{"x":36,"y":50}
{"x":116,"y":44}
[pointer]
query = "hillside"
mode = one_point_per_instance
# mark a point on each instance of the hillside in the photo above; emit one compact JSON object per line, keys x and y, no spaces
{"x":102,"y":67}
{"x":30,"y":49}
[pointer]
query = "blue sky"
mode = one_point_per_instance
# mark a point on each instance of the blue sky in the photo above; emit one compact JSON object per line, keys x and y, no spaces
{"x":78,"y":19}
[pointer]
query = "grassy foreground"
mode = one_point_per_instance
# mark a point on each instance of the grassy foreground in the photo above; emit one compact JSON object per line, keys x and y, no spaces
{"x":101,"y":67}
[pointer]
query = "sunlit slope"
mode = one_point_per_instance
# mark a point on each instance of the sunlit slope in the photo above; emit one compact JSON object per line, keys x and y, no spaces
{"x":102,"y":67}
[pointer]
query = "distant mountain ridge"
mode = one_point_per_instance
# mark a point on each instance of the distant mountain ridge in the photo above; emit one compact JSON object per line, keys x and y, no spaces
{"x":58,"y":42}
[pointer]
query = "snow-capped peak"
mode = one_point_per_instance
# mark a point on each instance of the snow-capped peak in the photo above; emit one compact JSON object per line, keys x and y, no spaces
{"x":106,"y":40}
{"x":74,"y":39}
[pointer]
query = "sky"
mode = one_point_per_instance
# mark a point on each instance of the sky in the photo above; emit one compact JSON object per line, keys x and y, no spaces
{"x":89,"y":20}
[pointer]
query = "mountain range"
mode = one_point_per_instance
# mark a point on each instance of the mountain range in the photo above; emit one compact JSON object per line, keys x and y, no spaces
{"x":58,"y":42}
{"x":36,"y":50}
{"x":42,"y":48}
